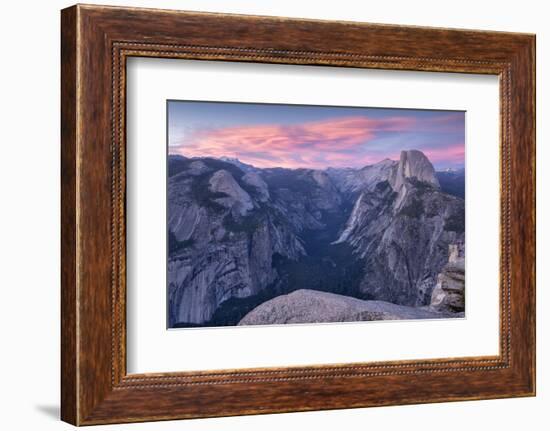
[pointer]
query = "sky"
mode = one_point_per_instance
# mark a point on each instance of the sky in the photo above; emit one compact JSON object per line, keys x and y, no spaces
{"x":302,"y":136}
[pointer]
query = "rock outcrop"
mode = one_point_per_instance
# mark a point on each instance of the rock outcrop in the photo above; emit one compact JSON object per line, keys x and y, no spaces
{"x":448,"y":294}
{"x":310,"y":306}
{"x":413,"y":164}
{"x":255,"y":180}
{"x":229,"y":193}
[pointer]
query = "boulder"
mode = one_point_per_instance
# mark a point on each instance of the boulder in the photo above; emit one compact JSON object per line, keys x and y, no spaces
{"x":311,"y":306}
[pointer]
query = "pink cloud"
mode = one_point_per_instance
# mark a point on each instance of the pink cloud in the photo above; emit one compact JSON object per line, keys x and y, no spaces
{"x":315,"y":144}
{"x":453,"y":154}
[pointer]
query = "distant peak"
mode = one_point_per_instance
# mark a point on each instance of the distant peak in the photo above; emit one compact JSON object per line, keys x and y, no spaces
{"x":229,"y":159}
{"x":414,"y":164}
{"x":386,"y":161}
{"x":236,"y":162}
{"x":413,"y":152}
{"x":176,"y":156}
{"x":452,"y":170}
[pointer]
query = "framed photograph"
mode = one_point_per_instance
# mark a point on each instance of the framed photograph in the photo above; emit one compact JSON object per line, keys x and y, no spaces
{"x":264,"y":215}
{"x":320,"y":214}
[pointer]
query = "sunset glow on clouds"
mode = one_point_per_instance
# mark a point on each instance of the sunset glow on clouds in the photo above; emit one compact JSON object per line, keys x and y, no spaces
{"x":313,"y":137}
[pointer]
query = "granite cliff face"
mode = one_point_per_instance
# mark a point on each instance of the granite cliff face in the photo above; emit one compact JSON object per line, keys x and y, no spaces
{"x":402,"y":228}
{"x":449,"y":294}
{"x":226,"y":226}
{"x":415,"y":165}
{"x":240,"y":236}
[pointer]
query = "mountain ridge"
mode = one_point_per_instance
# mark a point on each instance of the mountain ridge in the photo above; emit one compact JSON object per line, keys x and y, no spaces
{"x":241,"y":235}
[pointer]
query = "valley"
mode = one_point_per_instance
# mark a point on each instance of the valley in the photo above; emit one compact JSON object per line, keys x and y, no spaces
{"x":240,"y":236}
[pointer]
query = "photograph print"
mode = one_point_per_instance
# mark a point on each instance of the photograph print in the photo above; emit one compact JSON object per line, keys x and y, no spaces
{"x":300,"y":214}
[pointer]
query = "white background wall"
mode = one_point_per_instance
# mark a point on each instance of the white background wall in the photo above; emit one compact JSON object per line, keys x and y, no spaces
{"x":29,"y":214}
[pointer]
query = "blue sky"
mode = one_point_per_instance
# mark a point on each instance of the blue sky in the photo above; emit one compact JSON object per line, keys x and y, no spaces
{"x":269,"y":135}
